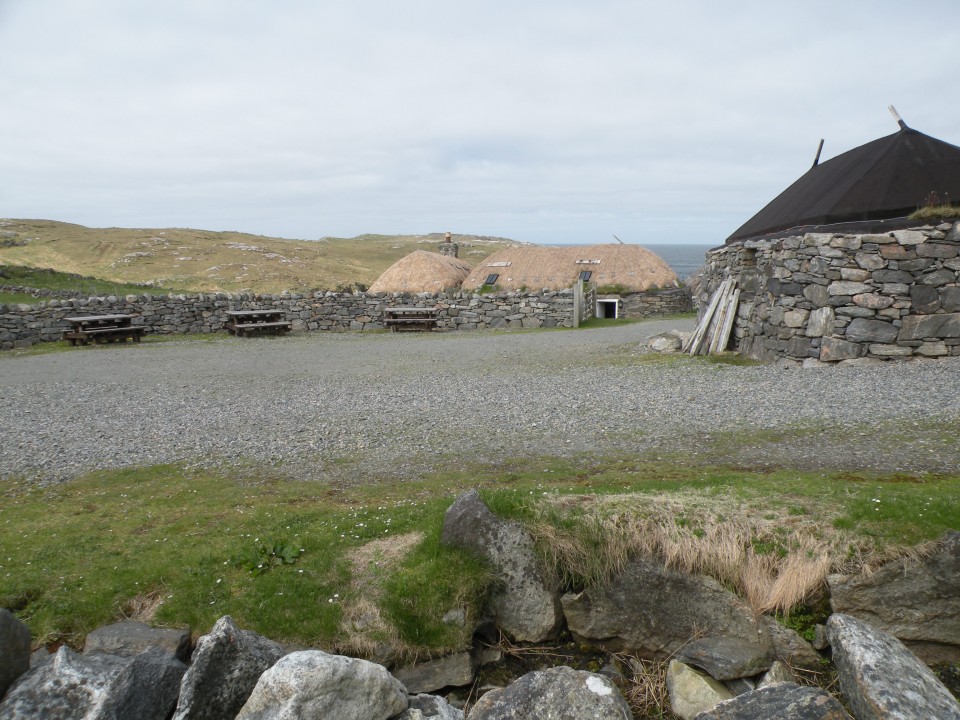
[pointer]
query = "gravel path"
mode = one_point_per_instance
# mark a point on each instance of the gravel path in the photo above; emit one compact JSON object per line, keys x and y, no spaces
{"x":356,"y":406}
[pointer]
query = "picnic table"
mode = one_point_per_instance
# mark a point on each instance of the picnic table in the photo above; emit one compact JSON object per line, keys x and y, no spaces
{"x":256,"y":322}
{"x":410,"y":318}
{"x":101,"y":329}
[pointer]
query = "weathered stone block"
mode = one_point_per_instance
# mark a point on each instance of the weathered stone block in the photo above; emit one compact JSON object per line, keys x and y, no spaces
{"x":939,"y":278}
{"x":870,"y":261}
{"x":921,"y":327}
{"x":873,"y":301}
{"x":820,"y":322}
{"x":950,"y":299}
{"x":848,"y":288}
{"x":817,"y":294}
{"x":924,"y":299}
{"x":918,"y":265}
{"x":937,"y":250}
{"x":854,"y":274}
{"x":795,"y":318}
{"x":897,"y":252}
{"x":835,"y":349}
{"x":889,"y":350}
{"x":893,"y":276}
{"x":866,"y":330}
{"x":932,"y":349}
{"x":909,"y":237}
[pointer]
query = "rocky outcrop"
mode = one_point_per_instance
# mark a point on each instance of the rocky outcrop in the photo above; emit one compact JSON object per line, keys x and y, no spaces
{"x":14,"y":649}
{"x":454,"y":670}
{"x":146,"y":689}
{"x":653,"y":611}
{"x":313,"y":684}
{"x":226,"y":666}
{"x":913,"y":600}
{"x":430,"y":707}
{"x":881,"y":679}
{"x":692,"y":692}
{"x":786,"y":701}
{"x":726,"y":658}
{"x":130,"y":638}
{"x":66,"y":687}
{"x":524,"y":605}
{"x":559,"y":692}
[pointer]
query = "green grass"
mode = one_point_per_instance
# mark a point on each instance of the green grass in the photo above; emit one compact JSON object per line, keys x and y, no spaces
{"x":48,"y":279}
{"x":935,"y":212}
{"x":105,"y":546}
{"x":7,"y":298}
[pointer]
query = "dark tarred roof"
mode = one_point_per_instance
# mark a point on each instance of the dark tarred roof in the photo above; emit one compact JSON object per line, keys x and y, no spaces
{"x":887,"y":178}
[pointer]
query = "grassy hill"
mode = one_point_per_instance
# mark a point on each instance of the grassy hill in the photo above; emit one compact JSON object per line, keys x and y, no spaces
{"x":201,"y":260}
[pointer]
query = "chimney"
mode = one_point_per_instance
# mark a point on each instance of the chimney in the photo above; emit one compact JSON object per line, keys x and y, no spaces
{"x":448,"y":247}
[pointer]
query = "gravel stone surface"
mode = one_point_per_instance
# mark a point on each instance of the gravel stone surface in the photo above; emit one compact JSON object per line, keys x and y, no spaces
{"x":357,"y":406}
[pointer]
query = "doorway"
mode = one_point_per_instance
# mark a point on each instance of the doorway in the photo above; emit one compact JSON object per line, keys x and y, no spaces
{"x":607,"y":309}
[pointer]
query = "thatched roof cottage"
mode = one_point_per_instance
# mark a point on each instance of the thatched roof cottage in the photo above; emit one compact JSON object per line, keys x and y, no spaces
{"x":422,"y":271}
{"x":630,"y":268}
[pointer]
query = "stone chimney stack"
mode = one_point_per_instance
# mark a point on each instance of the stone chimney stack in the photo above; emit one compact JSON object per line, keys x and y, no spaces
{"x":448,"y":247}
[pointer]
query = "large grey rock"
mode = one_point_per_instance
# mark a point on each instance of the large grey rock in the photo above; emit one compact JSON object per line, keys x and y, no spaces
{"x":726,"y":658}
{"x":64,"y":688}
{"x":226,"y":666}
{"x":790,"y":647}
{"x":835,"y":350}
{"x":880,"y":679}
{"x":313,"y":684}
{"x":821,"y":322}
{"x":784,"y":701}
{"x":130,"y":638}
{"x":653,"y":611}
{"x":669,"y":341}
{"x":430,"y":707}
{"x":559,"y":693}
{"x":919,"y":327}
{"x":146,"y":689}
{"x":449,"y":671}
{"x":778,"y":673}
{"x":913,"y":600}
{"x":525,"y":607}
{"x":14,"y":649}
{"x":866,"y":330}
{"x":692,"y":692}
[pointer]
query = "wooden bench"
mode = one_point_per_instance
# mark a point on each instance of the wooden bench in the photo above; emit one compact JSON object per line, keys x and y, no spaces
{"x":244,"y":323}
{"x":410,"y":318}
{"x":101,"y":329}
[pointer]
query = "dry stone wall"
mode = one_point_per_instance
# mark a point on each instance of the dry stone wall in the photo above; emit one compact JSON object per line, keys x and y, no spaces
{"x":842,"y":296}
{"x":24,"y":325}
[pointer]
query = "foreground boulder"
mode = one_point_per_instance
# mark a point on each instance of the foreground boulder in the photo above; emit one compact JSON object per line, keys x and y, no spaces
{"x":66,"y":687}
{"x":881,"y":679}
{"x":14,"y":649}
{"x":560,"y":693}
{"x":784,"y":701}
{"x":313,"y":684}
{"x":692,"y":692}
{"x":430,"y":707}
{"x":130,"y":638}
{"x":913,"y":600}
{"x":653,"y":611}
{"x":226,"y":666}
{"x":524,"y":606}
{"x":726,"y":658}
{"x":454,"y":670}
{"x":146,"y":689}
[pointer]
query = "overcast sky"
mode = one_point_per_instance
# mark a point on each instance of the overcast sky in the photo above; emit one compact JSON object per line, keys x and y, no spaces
{"x":547,"y":122}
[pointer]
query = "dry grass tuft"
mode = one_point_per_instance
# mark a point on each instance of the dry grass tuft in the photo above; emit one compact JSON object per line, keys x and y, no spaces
{"x":366,"y":632}
{"x":647,"y":692}
{"x":774,"y":558}
{"x":143,"y":607}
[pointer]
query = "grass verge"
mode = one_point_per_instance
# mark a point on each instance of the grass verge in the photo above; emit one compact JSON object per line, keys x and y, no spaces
{"x":361,"y":569}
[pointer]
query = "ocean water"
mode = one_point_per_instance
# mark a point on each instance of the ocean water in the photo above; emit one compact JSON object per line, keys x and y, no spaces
{"x":684,"y":259}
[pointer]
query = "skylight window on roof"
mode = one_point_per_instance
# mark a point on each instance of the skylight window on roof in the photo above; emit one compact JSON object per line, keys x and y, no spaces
{"x":491,"y":279}
{"x":585,"y":275}
{"x":502,"y":263}
{"x":586,"y":262}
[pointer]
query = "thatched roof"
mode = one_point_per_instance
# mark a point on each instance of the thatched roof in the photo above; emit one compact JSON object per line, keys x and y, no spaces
{"x":422,"y":271}
{"x":536,"y":267}
{"x":887,"y":178}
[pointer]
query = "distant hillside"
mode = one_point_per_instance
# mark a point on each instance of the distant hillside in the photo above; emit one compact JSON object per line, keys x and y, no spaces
{"x":200,"y":260}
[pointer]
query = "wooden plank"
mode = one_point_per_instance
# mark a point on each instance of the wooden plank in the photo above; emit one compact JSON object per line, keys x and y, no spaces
{"x":701,"y":328}
{"x":724,"y":339}
{"x":720,"y":319}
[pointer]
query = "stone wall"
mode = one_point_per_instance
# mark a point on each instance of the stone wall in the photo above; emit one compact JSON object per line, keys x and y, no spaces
{"x":24,"y":325}
{"x":843,"y":296}
{"x":656,"y":303}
